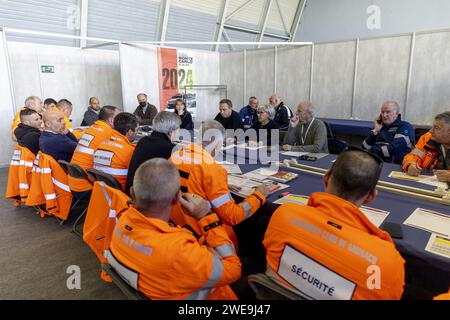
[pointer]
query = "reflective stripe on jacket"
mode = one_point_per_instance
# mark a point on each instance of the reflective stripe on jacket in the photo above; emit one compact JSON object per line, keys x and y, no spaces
{"x":84,"y":153}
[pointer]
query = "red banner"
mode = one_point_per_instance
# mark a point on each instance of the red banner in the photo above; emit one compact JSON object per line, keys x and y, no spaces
{"x":168,"y":75}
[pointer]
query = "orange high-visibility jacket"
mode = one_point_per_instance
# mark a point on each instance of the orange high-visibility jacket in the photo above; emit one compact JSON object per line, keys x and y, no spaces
{"x":425,"y":154}
{"x":113,"y":157}
{"x":105,"y":207}
{"x":166,"y":262}
{"x":58,"y":197}
{"x":35,"y":194}
{"x":330,"y":250}
{"x":202,"y":176}
{"x":445,"y":296}
{"x":26,"y":166}
{"x":84,"y":153}
{"x":12,"y":186}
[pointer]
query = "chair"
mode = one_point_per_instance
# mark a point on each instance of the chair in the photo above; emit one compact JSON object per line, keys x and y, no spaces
{"x":267,"y":289}
{"x":75,"y":171}
{"x":329,"y":131}
{"x":108,"y":179}
{"x":122,"y":285}
{"x":336,"y":146}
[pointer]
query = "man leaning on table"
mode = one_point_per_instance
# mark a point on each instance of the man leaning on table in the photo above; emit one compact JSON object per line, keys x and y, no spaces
{"x":432,"y":151}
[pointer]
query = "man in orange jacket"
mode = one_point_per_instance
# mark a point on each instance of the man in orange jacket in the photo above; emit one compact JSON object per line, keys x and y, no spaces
{"x":329,"y":249}
{"x":165,"y":261}
{"x":432,"y":151}
{"x":33,"y":103}
{"x":113,"y":156}
{"x":83,"y":156}
{"x":201,"y":175}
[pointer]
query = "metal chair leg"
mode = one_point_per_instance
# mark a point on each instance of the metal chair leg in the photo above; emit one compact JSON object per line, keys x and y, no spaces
{"x":74,"y":227}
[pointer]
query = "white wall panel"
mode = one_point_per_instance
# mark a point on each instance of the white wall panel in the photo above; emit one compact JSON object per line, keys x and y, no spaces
{"x":232,"y":74}
{"x":293,"y":74}
{"x":334,"y":66}
{"x":430,"y":81}
{"x":382,"y":74}
{"x":260,"y":74}
{"x":78,"y":75}
{"x":6,"y":106}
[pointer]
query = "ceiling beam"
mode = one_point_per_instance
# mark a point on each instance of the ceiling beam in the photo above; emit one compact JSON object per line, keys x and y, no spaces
{"x":252,"y":31}
{"x":220,"y":23}
{"x":164,"y":9}
{"x":84,"y":10}
{"x":263,"y":21}
{"x":238,"y":9}
{"x":297,"y":19}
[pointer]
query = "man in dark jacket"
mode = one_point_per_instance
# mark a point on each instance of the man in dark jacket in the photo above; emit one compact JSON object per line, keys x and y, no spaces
{"x":145,"y":112}
{"x":29,"y":130}
{"x":56,"y":140}
{"x":282,"y":112}
{"x":91,"y":115}
{"x":391,"y":138}
{"x":166,"y":128}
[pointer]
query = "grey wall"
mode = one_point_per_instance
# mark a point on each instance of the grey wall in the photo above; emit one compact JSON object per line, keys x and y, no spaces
{"x":79,"y":74}
{"x":331,"y":20}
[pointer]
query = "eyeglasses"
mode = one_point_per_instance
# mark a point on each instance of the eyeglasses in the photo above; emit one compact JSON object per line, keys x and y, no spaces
{"x":308,"y":158}
{"x":260,"y":112}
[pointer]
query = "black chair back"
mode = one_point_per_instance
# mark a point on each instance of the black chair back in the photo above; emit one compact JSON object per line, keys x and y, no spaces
{"x":74,"y":170}
{"x":329,"y":132}
{"x":336,"y":146}
{"x":98,"y":175}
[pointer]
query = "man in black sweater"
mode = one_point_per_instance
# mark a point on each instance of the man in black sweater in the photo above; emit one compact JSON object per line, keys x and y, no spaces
{"x":166,"y":128}
{"x":282,"y":112}
{"x":227,"y":117}
{"x":29,"y":130}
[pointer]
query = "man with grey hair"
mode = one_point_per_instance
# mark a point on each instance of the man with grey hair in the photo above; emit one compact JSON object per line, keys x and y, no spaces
{"x":432,"y":151}
{"x":310,"y":135}
{"x":165,"y":261}
{"x":145,"y":111}
{"x":166,"y":129}
{"x":265,"y":123}
{"x":32,"y":103}
{"x":391,"y":138}
{"x":201,"y":175}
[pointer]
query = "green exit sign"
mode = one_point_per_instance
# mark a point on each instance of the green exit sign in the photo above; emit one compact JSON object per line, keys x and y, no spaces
{"x":48,"y":69}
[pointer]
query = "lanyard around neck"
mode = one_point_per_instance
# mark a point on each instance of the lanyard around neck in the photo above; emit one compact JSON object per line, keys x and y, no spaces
{"x":307,"y":130}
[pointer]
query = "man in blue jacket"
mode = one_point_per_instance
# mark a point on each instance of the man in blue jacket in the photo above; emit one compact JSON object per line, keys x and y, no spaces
{"x":248,"y":113}
{"x":56,"y":140}
{"x":391,"y":138}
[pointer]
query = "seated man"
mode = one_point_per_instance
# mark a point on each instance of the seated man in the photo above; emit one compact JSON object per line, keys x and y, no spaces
{"x":227,"y":117}
{"x":201,"y":175}
{"x":29,"y":130}
{"x":164,"y":261}
{"x":432,"y":152}
{"x":248,"y":113}
{"x":391,"y":138}
{"x":33,"y":103}
{"x":113,"y":156}
{"x":83,"y":156}
{"x":145,"y":111}
{"x":329,"y":249}
{"x":91,"y":115}
{"x":49,"y":104}
{"x":310,"y":135}
{"x":282,"y":112}
{"x":66,"y":107}
{"x":56,"y":140}
{"x":166,"y":128}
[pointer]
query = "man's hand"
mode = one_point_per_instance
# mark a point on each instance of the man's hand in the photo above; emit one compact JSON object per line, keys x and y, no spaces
{"x":287,"y":147}
{"x":230,"y":141}
{"x":196,"y":206}
{"x":263,"y":188}
{"x":413,"y":170}
{"x":377,"y":126}
{"x":294,"y":121}
{"x":443,"y":175}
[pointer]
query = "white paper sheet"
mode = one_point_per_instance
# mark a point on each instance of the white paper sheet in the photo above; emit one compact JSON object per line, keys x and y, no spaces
{"x":293,"y":154}
{"x":430,"y":221}
{"x":428,"y":180}
{"x":376,"y":216}
{"x":439,"y":245}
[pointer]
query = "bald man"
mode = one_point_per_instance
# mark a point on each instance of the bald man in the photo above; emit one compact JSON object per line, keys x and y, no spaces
{"x":56,"y":140}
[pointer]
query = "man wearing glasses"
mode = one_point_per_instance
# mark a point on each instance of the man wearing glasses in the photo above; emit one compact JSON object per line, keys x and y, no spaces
{"x":328,"y":249}
{"x":306,"y":133}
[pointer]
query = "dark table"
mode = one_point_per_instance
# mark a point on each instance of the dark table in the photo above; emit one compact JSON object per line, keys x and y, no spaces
{"x":427,"y":274}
